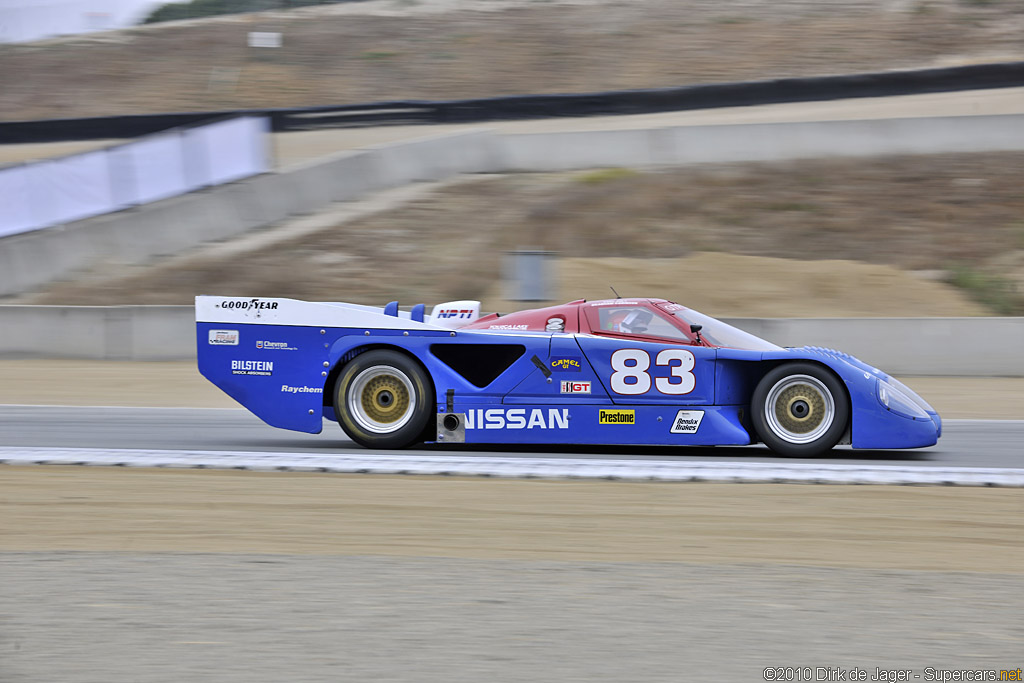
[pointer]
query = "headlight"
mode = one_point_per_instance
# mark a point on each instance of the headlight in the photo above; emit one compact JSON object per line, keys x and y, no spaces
{"x":911,"y":394}
{"x":898,"y":402}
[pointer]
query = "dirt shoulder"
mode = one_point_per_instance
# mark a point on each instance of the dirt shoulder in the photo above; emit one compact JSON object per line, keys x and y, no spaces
{"x":932,"y":528}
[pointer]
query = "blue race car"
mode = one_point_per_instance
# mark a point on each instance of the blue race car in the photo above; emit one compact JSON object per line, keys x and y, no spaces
{"x":618,"y":371}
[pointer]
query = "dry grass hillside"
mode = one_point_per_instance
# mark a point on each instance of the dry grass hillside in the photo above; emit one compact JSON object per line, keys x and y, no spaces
{"x":818,"y":238}
{"x":921,"y":235}
{"x":396,"y":49}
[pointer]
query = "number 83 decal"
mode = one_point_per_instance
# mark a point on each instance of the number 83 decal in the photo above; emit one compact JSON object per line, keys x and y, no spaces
{"x":630,"y":376}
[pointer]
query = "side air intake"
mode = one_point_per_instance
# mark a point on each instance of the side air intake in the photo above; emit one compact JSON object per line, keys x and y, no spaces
{"x":478,"y":364}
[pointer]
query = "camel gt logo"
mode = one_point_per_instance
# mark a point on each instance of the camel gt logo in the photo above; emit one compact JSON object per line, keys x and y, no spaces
{"x":517,"y":418}
{"x":565,"y":363}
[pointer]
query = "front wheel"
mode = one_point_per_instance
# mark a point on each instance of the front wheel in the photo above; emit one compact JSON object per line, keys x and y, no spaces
{"x":383,"y":399}
{"x":800,"y":410}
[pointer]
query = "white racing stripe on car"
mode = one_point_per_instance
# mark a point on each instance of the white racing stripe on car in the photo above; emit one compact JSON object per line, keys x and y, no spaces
{"x":542,"y":468}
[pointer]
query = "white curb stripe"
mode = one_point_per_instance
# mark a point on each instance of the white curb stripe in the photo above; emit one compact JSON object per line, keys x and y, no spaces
{"x":545,"y":468}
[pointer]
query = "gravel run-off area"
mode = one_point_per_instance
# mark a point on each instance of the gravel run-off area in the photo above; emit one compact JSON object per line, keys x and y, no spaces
{"x":117,"y":574}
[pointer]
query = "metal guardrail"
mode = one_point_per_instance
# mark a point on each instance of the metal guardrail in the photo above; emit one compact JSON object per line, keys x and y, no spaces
{"x":713,"y":95}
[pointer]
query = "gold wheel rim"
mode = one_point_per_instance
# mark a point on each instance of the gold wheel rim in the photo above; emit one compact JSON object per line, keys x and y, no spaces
{"x":381,"y":399}
{"x":385,"y":399}
{"x":799,"y":409}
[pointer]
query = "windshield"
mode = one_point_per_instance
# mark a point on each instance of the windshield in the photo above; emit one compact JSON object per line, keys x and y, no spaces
{"x":720,"y":334}
{"x":638,"y":320}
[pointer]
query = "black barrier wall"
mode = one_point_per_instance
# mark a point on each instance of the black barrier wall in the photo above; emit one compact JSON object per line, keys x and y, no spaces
{"x":817,"y":88}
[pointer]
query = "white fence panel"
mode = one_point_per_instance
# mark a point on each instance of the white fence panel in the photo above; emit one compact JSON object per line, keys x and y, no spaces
{"x":225,"y":151}
{"x":16,"y":215}
{"x":149,"y":169}
{"x":57,"y":191}
{"x":74,"y":188}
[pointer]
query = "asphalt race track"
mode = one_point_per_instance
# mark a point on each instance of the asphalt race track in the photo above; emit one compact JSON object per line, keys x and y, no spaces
{"x":240,"y":577}
{"x":965,"y":443}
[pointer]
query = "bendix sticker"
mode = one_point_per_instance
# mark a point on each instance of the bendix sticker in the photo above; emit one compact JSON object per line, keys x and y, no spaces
{"x":687,"y":421}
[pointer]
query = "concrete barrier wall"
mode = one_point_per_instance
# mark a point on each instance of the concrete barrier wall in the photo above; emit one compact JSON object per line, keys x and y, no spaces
{"x":760,"y":142}
{"x":166,"y":227}
{"x":978,"y":347}
{"x":98,"y":332}
{"x":134,"y":236}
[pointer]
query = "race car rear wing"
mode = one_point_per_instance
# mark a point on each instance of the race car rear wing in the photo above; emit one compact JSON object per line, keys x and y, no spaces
{"x":279,"y":311}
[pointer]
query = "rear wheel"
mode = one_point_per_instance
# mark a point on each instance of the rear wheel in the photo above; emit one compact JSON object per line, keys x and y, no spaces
{"x":800,"y":410}
{"x":383,"y":399}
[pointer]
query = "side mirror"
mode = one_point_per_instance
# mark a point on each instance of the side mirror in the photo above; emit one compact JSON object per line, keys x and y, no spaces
{"x":696,"y":330}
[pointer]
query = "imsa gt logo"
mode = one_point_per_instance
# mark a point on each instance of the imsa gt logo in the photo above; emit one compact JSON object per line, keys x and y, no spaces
{"x":687,"y":421}
{"x":616,"y":417}
{"x":517,"y":418}
{"x":575,"y":387}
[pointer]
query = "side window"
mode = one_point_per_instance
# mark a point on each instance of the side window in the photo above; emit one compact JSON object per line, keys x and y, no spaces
{"x":634,"y":320}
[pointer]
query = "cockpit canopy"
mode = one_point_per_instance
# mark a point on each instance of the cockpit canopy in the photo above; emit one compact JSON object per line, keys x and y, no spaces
{"x":654,"y":320}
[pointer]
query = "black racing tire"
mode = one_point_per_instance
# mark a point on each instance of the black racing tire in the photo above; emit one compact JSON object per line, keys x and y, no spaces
{"x":384,"y":399}
{"x":800,"y":410}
